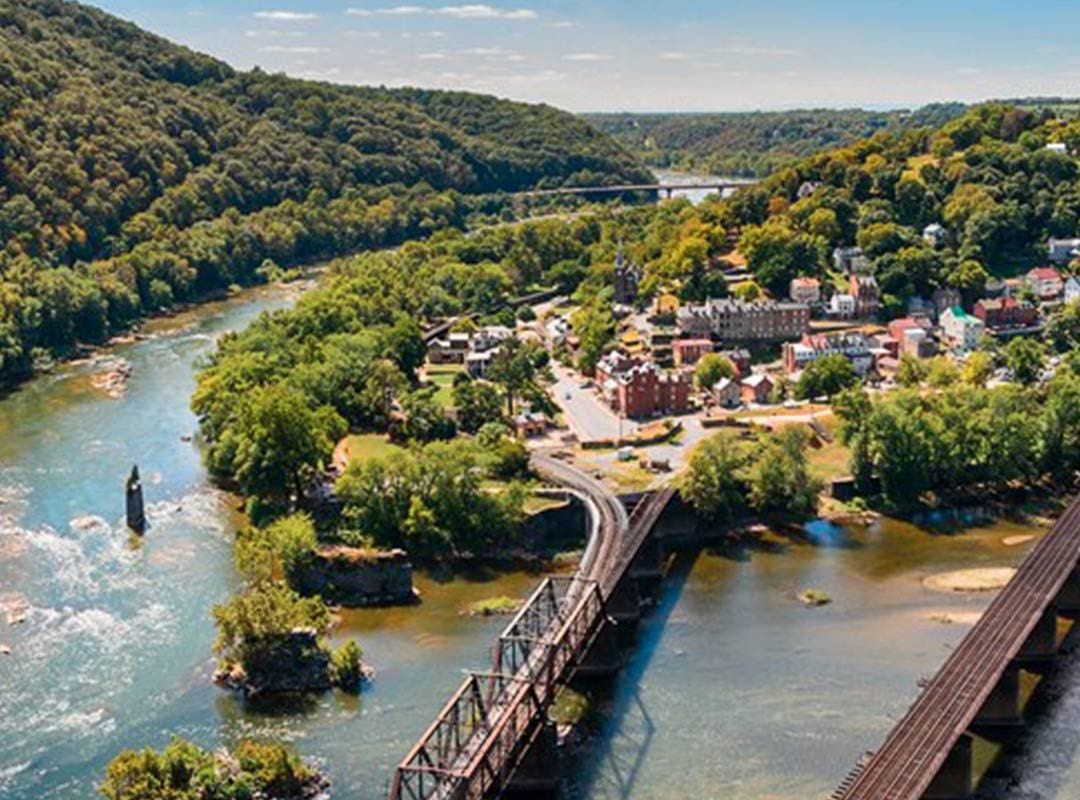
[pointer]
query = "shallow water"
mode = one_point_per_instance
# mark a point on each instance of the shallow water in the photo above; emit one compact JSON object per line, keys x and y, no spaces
{"x":734,"y":691}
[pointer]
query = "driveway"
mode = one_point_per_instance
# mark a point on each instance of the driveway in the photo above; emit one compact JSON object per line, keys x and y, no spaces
{"x":586,"y":414}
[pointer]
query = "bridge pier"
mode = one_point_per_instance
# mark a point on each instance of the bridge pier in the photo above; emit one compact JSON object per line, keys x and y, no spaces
{"x":1001,"y":714}
{"x":1068,"y":599}
{"x":955,"y":780}
{"x":1041,"y":646}
{"x":604,"y":658}
{"x":537,"y":776}
{"x":624,"y":604}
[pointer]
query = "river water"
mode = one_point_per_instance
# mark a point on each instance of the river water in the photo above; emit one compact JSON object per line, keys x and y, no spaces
{"x":734,"y":691}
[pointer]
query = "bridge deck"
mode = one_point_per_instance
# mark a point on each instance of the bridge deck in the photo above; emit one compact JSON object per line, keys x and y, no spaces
{"x":907,"y":763}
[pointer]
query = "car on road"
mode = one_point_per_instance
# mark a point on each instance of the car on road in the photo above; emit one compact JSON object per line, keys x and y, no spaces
{"x":566,"y":396}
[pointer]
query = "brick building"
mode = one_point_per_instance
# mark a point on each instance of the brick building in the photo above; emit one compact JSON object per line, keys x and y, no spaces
{"x":1006,"y":312}
{"x":645,"y":390}
{"x":728,"y":319}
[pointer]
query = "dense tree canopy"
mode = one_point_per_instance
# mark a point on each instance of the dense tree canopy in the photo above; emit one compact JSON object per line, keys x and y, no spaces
{"x":135,"y":173}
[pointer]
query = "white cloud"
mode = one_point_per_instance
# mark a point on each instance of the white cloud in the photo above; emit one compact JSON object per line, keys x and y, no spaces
{"x":674,"y":55}
{"x":286,"y":16}
{"x":471,"y":11}
{"x":480,"y":11}
{"x":293,"y":50}
{"x":586,"y":57}
{"x":969,"y":71}
{"x":494,"y":54}
{"x":563,"y":23}
{"x":432,"y":56}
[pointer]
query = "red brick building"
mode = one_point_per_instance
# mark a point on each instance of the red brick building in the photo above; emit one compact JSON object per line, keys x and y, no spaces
{"x":689,"y":351}
{"x":1006,"y":312}
{"x":645,"y":390}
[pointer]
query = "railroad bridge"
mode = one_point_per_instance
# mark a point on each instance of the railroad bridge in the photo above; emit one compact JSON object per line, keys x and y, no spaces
{"x":977,"y":692}
{"x":494,"y":734}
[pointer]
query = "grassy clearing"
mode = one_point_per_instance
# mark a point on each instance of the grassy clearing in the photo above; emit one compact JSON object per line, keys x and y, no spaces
{"x":369,"y":445}
{"x":535,"y":503}
{"x":442,"y":376}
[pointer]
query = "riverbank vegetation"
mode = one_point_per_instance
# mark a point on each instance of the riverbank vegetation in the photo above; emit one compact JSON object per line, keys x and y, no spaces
{"x":962,"y":439}
{"x":729,"y":477}
{"x":135,"y":173}
{"x":184,"y":771}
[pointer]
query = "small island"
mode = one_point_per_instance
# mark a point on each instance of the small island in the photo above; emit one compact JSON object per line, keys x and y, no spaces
{"x":184,"y":771}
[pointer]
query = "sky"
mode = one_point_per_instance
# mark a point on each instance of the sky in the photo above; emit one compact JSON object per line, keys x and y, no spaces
{"x":633,"y":55}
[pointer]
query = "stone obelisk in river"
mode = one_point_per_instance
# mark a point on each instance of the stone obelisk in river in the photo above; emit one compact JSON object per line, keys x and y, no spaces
{"x":136,"y":511}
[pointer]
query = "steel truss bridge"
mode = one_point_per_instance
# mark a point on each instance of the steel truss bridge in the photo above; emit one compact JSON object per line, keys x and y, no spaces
{"x":482,"y":736}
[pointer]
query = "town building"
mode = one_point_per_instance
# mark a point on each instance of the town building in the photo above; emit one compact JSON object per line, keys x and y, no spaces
{"x":864,"y":288}
{"x":1058,"y":147}
{"x":688,"y":352}
{"x":805,"y":290}
{"x":807,"y":189}
{"x":733,"y":320}
{"x":944,"y":298}
{"x":1046,"y":282}
{"x":962,"y":329}
{"x":478,"y":363}
{"x":632,"y":343}
{"x":489,"y":337}
{"x":1062,"y":251}
{"x":1005,"y":313}
{"x":842,"y":306}
{"x":450,"y":350}
{"x":645,"y":390}
{"x":531,"y":423}
{"x":935,"y":234}
{"x":1072,"y":289}
{"x":727,"y":393}
{"x":850,"y":260}
{"x":856,"y":346}
{"x":740,"y":357}
{"x":757,"y":388}
{"x":627,"y":278}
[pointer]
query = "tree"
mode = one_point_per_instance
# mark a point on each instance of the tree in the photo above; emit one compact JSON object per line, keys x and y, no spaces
{"x":283,"y":548}
{"x":595,"y":329}
{"x":1063,"y":327}
{"x":911,"y":372}
{"x":978,"y":367}
{"x":779,"y":478}
{"x":713,"y":483}
{"x":477,"y":403}
{"x":826,"y":376}
{"x":425,"y":419}
{"x":513,"y":369}
{"x":1025,"y":358}
{"x":711,"y":368}
{"x":776,"y":253}
{"x":942,"y":373}
{"x":279,"y":442}
{"x":382,"y":386}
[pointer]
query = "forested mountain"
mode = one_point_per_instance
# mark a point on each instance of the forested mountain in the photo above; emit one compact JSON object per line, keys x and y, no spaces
{"x":755,"y":143}
{"x":988,"y":177}
{"x":135,"y":172}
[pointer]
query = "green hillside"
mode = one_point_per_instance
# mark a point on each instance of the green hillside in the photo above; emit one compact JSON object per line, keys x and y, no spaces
{"x":135,"y":173}
{"x":754,"y":143}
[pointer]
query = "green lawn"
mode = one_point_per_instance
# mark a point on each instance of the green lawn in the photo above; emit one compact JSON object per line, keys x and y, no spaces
{"x":442,"y":376}
{"x":369,"y":445}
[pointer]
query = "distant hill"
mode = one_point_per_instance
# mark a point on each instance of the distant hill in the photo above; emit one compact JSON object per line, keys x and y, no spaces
{"x":755,"y":143}
{"x":135,"y":172}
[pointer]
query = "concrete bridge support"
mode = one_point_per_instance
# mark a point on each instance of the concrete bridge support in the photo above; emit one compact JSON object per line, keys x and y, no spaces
{"x":1002,"y":713}
{"x":955,"y":780}
{"x":605,"y":656}
{"x":538,"y":774}
{"x":1068,"y":599}
{"x":1041,"y":646}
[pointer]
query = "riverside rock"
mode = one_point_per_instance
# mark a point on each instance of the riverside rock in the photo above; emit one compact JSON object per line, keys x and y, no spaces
{"x":355,"y":577}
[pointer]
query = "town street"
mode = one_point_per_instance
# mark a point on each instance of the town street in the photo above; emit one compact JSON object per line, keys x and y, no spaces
{"x":587,"y":416}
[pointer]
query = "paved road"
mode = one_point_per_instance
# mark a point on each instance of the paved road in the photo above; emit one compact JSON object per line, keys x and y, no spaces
{"x":587,"y":415}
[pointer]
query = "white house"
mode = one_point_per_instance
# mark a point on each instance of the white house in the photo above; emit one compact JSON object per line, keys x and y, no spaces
{"x":1058,"y":147}
{"x":961,"y":328}
{"x":805,"y":290}
{"x":934,"y":234}
{"x":727,"y":394}
{"x":1062,"y":251}
{"x":1046,"y":282}
{"x":1072,"y":290}
{"x":842,"y":305}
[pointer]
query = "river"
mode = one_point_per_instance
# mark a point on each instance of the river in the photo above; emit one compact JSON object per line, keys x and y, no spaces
{"x":735,"y":690}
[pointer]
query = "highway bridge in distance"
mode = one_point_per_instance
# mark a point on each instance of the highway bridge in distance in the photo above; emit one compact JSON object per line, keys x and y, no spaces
{"x":667,"y":189}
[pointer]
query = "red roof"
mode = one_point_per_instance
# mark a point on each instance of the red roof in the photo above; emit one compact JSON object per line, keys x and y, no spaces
{"x":1044,"y":274}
